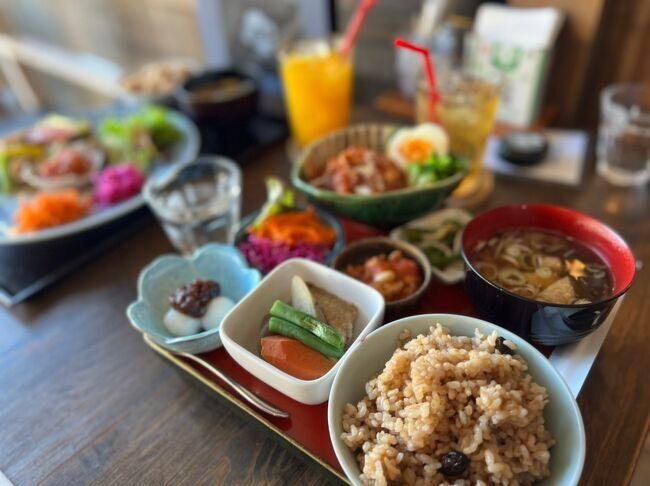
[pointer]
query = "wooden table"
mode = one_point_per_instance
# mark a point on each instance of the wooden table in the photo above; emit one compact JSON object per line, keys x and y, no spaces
{"x":83,"y":400}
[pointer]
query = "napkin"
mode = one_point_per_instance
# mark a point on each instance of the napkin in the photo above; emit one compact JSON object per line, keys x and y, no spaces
{"x":4,"y":481}
{"x":564,"y":162}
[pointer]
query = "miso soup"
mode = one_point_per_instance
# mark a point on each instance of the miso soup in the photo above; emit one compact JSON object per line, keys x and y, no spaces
{"x":544,"y":266}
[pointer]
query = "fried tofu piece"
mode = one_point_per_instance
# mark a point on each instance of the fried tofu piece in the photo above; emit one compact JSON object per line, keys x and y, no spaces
{"x":560,"y":292}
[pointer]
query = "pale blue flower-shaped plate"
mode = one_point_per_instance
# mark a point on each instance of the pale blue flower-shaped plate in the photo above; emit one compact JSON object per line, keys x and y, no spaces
{"x":222,"y":263}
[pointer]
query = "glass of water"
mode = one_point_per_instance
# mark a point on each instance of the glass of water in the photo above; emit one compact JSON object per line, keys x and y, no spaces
{"x":624,"y":134}
{"x":197,"y":202}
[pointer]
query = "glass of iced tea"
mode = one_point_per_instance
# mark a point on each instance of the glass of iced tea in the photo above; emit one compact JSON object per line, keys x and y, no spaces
{"x":466,"y":109}
{"x":317,"y":83}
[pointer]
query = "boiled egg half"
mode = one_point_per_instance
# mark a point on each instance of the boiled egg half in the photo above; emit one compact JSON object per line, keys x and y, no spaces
{"x":415,"y":145}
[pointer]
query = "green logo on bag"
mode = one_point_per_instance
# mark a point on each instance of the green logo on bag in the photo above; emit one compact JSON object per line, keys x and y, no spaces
{"x":506,"y":58}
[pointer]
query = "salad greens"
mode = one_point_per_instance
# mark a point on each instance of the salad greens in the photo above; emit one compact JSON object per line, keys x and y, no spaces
{"x":137,"y":138}
{"x":155,"y":119}
{"x":279,"y":200}
{"x":434,"y":169}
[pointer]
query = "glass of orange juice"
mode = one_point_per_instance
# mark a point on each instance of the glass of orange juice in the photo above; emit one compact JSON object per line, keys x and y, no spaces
{"x":317,"y":83}
{"x":466,"y":109}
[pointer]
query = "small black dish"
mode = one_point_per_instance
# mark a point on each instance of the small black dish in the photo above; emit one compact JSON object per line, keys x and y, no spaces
{"x":223,"y":98}
{"x":523,"y":148}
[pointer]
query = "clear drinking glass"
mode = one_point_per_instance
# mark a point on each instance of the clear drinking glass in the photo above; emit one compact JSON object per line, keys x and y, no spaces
{"x":624,"y":134}
{"x":197,"y":202}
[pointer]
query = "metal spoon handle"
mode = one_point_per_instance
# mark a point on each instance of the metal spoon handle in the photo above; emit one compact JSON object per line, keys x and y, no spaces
{"x":243,"y":392}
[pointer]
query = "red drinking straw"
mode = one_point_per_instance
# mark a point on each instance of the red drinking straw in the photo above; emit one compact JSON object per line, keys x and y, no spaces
{"x":355,"y":25}
{"x":428,"y":68}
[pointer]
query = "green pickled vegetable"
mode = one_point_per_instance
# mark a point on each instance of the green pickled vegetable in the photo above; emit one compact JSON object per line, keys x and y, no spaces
{"x":319,"y":329}
{"x":415,"y":235}
{"x":286,"y":328}
{"x":438,"y":258}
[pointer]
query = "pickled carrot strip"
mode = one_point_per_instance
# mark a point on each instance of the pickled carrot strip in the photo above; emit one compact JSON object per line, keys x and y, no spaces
{"x":48,"y":209}
{"x":296,"y":227}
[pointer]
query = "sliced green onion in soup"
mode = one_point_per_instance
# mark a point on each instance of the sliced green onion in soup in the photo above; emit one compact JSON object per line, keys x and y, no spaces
{"x":526,"y":262}
{"x":479,"y":246}
{"x":487,"y":269}
{"x":510,"y":259}
{"x":597,"y":266}
{"x":536,"y":240}
{"x":529,"y":291}
{"x":544,"y":272}
{"x":511,"y":277}
{"x":596,"y":270}
{"x":513,"y":250}
{"x":517,"y":249}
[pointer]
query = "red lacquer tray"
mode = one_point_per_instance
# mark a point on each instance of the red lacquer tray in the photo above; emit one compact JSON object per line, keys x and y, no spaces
{"x":306,"y":429}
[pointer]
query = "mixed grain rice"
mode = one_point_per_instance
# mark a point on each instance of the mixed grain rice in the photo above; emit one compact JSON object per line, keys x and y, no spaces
{"x":440,"y":392}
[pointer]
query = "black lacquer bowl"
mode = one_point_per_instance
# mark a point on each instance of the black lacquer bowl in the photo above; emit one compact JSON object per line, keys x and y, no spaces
{"x":541,"y":322}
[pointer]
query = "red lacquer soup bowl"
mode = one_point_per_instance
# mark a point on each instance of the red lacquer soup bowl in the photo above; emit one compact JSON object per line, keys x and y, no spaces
{"x":537,"y":321}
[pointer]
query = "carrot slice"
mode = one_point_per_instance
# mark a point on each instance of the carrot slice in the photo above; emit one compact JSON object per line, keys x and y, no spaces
{"x":296,"y":227}
{"x":294,"y":358}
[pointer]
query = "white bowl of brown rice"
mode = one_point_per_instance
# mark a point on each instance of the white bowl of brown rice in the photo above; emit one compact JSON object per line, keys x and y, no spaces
{"x":449,"y":399}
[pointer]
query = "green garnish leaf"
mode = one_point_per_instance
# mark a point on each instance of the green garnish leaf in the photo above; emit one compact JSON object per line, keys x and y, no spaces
{"x":279,"y":200}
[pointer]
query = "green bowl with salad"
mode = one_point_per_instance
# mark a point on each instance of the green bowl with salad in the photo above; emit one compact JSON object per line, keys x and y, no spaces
{"x":380,"y":174}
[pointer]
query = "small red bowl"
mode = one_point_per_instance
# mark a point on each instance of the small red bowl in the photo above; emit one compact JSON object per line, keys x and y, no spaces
{"x":541,"y":322}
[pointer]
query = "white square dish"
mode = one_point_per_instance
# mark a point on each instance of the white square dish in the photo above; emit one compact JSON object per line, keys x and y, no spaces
{"x":240,"y":329}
